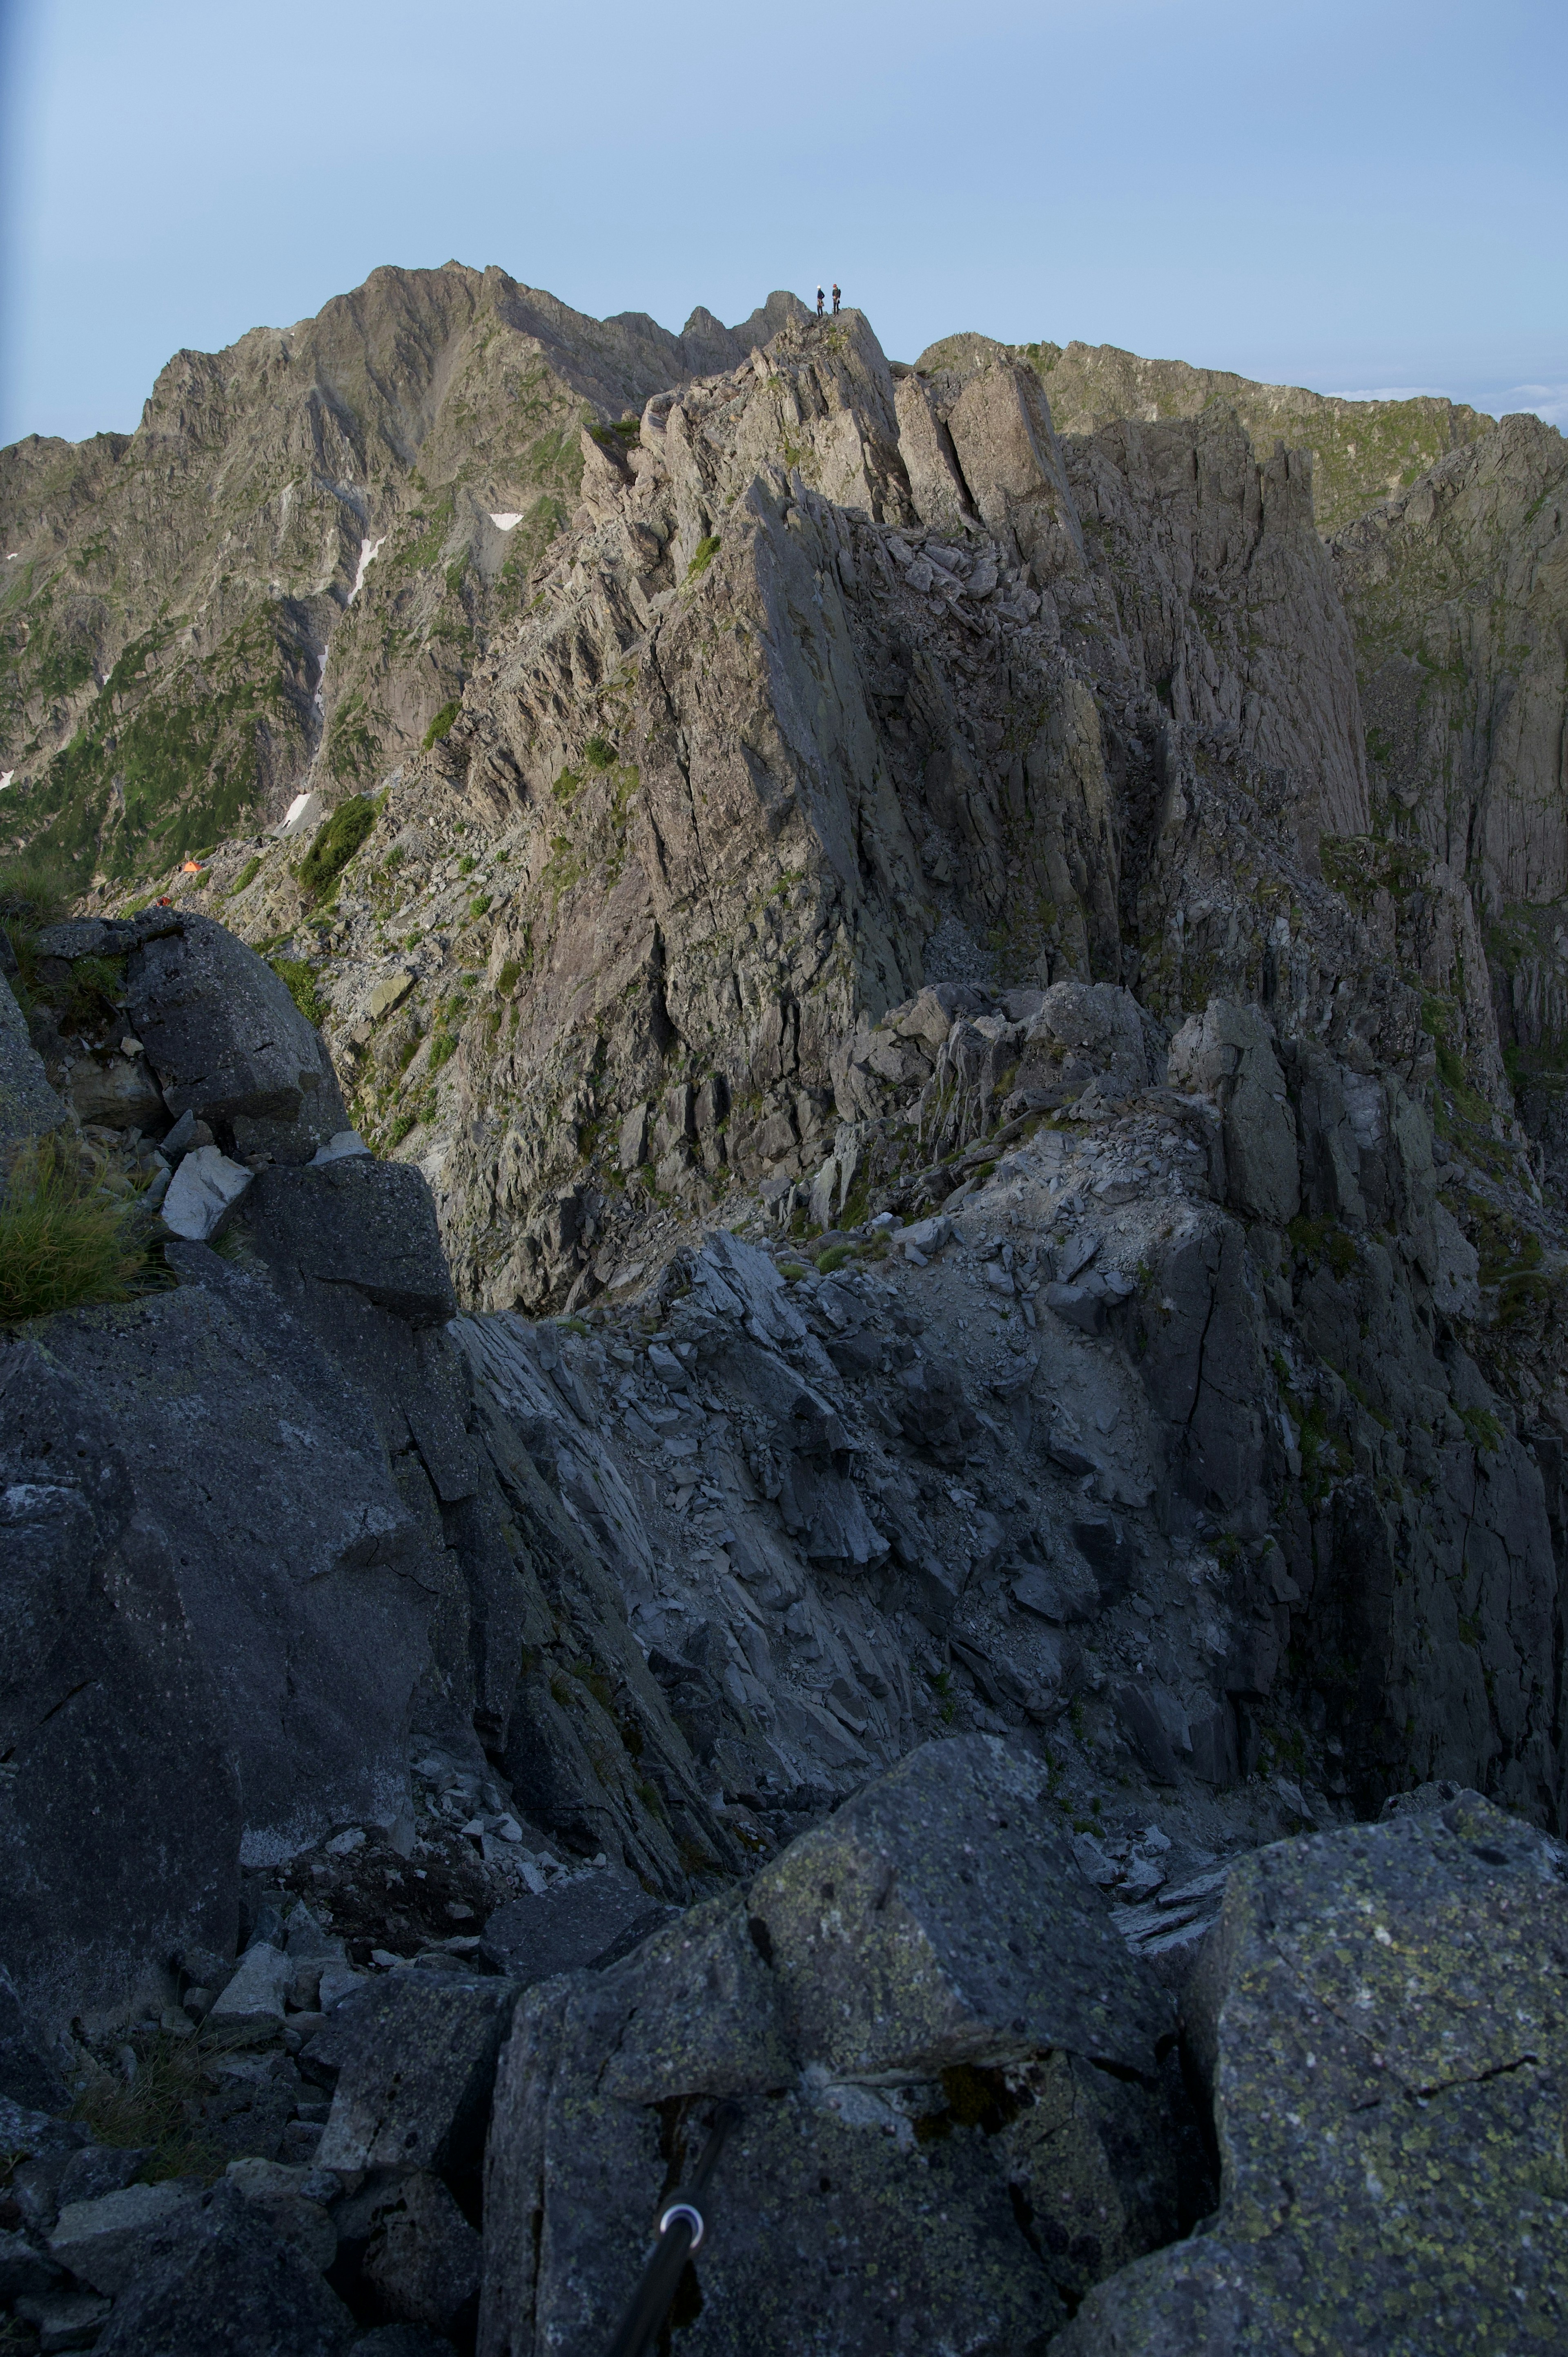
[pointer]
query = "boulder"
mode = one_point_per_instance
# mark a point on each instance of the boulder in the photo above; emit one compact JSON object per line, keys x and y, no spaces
{"x":1383,"y":2014}
{"x":422,"y":2260}
{"x":938,"y":1915}
{"x":109,"y":1717}
{"x":216,"y":2278}
{"x":296,"y":2214}
{"x":306,"y":1582}
{"x":228,"y":1044}
{"x":905,"y":2009}
{"x":582,"y":1918}
{"x":356,"y":1222}
{"x":104,"y":2242}
{"x":416,"y":2063}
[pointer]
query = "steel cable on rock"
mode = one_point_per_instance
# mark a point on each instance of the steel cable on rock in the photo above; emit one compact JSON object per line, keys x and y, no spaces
{"x":682,"y":2226}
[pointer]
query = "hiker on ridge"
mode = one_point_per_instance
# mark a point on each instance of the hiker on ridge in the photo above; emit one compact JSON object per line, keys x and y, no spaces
{"x":836,"y":302}
{"x":821,"y":298}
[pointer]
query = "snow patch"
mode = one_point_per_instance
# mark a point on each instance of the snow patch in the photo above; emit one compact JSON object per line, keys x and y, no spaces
{"x":506,"y":523}
{"x":5,"y":778}
{"x":368,"y":549}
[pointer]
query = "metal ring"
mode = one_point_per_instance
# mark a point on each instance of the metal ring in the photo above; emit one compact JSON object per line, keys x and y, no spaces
{"x":682,"y":2209}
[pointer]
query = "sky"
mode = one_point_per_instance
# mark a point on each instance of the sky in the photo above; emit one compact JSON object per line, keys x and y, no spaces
{"x":1367,"y":198}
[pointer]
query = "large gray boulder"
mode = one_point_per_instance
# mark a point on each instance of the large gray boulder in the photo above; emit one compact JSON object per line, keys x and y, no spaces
{"x":120,"y":1806}
{"x":358,"y":1222}
{"x":228,"y":1044}
{"x":1384,"y":2015}
{"x":28,"y":1106}
{"x":908,"y":2007}
{"x":305,"y":1581}
{"x":934,"y":1920}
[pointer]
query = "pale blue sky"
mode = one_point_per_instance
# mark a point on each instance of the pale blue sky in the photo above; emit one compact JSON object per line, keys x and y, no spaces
{"x":1355,"y":195}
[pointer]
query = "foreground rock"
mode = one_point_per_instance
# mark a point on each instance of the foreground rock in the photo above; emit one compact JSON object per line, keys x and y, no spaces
{"x":915,"y":2007}
{"x":1385,"y":2011}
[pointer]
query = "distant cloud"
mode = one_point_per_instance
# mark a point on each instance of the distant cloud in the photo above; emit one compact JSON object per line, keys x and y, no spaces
{"x":1548,"y":401}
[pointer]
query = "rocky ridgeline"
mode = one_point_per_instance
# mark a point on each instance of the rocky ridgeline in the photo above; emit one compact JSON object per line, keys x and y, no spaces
{"x":857,"y":1353}
{"x":446,"y":1754}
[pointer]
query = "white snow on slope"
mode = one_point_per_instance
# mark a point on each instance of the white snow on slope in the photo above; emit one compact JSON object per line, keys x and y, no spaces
{"x":367,"y":551}
{"x":506,"y":523}
{"x":5,"y":778}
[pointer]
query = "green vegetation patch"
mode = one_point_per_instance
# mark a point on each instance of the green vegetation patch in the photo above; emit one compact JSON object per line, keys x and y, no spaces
{"x":441,"y":726}
{"x":708,"y":549}
{"x":337,"y":841}
{"x":64,"y":1239}
{"x":299,"y":980}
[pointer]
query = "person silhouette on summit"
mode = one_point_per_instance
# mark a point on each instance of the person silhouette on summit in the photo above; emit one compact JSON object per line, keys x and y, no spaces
{"x":820,"y":300}
{"x":836,"y":302}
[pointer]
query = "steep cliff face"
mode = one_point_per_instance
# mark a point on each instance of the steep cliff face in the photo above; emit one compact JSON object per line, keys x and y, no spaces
{"x":1458,"y":592}
{"x":376,"y":481}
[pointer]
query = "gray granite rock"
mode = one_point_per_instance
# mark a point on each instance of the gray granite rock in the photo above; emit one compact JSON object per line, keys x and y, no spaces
{"x":422,"y":2259}
{"x":228,"y":1044}
{"x":417,"y":2064}
{"x":357,"y":1222}
{"x":580,"y":1920}
{"x":304,"y":1581}
{"x":1383,"y":2013}
{"x":28,"y":1106}
{"x":906,"y":2005}
{"x":216,"y":2278}
{"x":939,"y":1918}
{"x":109,"y":1713}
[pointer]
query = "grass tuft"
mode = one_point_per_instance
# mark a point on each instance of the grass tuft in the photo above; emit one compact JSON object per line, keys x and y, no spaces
{"x":63,"y":1240}
{"x":161,"y":2107}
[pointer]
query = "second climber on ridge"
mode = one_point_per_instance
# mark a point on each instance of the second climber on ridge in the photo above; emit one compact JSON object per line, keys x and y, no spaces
{"x":836,"y":302}
{"x":820,"y":300}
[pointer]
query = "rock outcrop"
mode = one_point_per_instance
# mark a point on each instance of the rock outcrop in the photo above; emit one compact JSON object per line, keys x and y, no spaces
{"x":1383,"y":2013}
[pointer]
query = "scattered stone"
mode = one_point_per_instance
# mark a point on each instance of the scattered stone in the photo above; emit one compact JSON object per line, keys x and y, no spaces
{"x":102,"y":2169}
{"x":255,"y":1997}
{"x":25,"y":2270}
{"x":104,"y":2242}
{"x":63,"y":2320}
{"x":589,"y":1919}
{"x":202,"y":1192}
{"x":291,"y":2200}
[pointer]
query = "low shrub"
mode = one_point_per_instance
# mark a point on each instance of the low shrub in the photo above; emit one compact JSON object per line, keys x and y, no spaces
{"x":440,"y":725}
